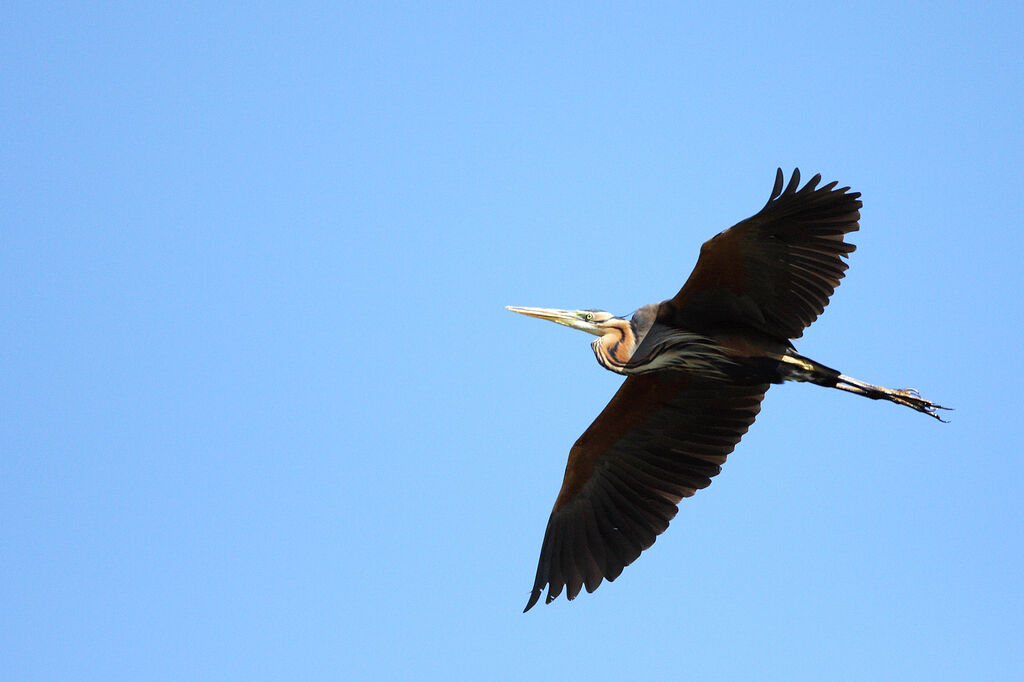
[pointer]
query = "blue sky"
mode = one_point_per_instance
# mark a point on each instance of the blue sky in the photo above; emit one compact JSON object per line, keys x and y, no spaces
{"x":263,"y":415}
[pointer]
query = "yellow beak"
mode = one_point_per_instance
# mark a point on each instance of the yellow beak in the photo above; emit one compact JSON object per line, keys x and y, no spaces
{"x":569,"y":318}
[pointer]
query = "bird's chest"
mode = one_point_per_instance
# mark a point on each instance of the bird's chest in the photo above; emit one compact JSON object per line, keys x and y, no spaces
{"x":696,"y":358}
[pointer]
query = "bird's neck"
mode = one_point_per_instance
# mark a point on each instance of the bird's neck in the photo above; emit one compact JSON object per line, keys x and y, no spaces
{"x":615,"y":348}
{"x":621,"y":351}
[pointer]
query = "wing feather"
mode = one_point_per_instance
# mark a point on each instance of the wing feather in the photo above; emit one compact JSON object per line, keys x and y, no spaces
{"x":663,"y":436}
{"x":776,"y":270}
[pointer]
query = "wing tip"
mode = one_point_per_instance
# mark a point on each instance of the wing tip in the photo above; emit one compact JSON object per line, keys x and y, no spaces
{"x":810,"y":185}
{"x":534,"y":598}
{"x":777,"y":189}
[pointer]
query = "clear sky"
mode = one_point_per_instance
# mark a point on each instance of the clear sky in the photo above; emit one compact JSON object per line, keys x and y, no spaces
{"x":264,"y":416}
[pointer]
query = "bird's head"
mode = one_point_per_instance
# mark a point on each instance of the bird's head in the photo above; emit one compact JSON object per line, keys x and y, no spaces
{"x":616,"y":336}
{"x":596,"y":322}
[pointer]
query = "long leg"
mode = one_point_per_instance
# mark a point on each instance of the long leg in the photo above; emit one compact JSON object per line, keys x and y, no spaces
{"x":796,"y":367}
{"x":903,"y":396}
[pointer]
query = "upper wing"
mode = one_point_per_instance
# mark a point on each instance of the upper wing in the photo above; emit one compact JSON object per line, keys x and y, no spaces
{"x":660,"y":439}
{"x":776,"y":270}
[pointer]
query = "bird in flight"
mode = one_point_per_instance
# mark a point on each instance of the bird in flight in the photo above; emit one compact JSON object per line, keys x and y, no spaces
{"x":697,"y":367}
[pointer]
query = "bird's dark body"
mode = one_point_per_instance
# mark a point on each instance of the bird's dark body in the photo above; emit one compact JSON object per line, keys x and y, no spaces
{"x":697,"y":367}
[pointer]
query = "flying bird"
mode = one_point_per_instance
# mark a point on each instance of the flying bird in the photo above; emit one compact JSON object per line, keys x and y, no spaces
{"x":697,"y":367}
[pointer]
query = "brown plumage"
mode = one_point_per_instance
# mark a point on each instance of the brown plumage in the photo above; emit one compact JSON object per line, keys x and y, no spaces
{"x":697,"y":368}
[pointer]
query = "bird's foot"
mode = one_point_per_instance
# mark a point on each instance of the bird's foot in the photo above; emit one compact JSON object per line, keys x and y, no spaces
{"x":911,"y":397}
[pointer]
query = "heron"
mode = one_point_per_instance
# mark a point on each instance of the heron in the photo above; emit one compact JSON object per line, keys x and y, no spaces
{"x":697,"y":367}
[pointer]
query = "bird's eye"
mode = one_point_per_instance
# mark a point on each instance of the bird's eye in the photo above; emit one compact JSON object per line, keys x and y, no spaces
{"x":589,"y":317}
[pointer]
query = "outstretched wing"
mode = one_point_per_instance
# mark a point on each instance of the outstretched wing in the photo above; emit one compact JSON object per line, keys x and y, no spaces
{"x":774,"y":271}
{"x":660,"y":439}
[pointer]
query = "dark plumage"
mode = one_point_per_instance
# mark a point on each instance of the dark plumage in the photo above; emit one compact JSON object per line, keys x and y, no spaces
{"x":697,"y":367}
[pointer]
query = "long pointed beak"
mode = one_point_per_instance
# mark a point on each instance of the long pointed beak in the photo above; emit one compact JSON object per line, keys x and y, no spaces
{"x":551,"y":314}
{"x":569,"y":318}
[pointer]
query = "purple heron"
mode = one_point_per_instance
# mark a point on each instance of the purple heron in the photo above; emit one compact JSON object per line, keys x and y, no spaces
{"x":697,"y":367}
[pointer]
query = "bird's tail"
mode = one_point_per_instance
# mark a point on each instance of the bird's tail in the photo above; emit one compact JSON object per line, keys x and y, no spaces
{"x":796,"y":367}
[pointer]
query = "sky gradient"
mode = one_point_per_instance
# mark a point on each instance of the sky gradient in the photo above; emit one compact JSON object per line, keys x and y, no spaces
{"x":263,"y":414}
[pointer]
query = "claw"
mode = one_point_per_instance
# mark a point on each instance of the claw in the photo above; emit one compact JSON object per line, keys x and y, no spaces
{"x":912,"y":398}
{"x":930,"y":409}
